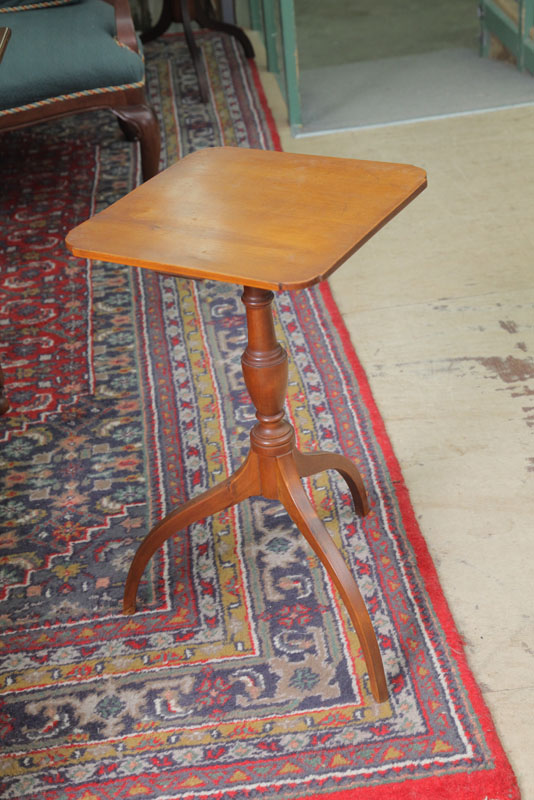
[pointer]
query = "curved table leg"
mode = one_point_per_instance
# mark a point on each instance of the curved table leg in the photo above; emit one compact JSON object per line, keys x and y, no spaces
{"x":206,"y":20}
{"x":232,"y":30}
{"x":242,"y":484}
{"x":163,"y":23}
{"x":296,"y":502}
{"x":311,"y":463}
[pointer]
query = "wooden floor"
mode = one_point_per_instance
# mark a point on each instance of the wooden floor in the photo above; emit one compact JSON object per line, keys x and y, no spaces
{"x":440,"y":306}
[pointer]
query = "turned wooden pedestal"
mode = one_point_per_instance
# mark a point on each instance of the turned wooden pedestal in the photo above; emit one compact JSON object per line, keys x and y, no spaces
{"x":268,"y":221}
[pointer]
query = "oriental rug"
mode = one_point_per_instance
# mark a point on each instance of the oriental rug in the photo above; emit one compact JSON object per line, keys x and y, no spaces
{"x":240,"y":675}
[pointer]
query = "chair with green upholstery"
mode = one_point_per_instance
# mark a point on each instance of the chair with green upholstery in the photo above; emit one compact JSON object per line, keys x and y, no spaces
{"x":67,"y":56}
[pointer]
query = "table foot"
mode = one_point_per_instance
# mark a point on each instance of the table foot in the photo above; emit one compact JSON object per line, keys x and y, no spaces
{"x":312,"y":463}
{"x":242,"y":484}
{"x":301,"y":511}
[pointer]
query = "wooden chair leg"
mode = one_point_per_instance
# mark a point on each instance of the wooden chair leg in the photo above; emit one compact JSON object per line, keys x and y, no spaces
{"x":312,"y":463}
{"x":129,"y":131}
{"x":242,"y":484}
{"x":140,"y":122}
{"x":297,"y":504}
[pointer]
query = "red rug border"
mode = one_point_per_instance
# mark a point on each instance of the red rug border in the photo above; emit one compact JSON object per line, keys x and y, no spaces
{"x":507,"y":784}
{"x":441,"y":786}
{"x":271,"y":124}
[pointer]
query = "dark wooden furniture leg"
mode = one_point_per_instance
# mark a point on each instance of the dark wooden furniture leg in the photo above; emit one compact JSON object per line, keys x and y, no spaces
{"x":196,"y":52}
{"x":179,"y":11}
{"x":164,"y":22}
{"x":140,"y":122}
{"x":205,"y":19}
{"x":200,"y":11}
{"x":184,"y":11}
{"x":274,"y":468}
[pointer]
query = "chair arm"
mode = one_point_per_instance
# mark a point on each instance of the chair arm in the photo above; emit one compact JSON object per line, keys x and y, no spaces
{"x":124,"y":23}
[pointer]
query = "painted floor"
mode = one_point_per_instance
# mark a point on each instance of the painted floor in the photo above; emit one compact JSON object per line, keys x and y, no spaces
{"x":411,"y":87}
{"x":440,"y":307}
{"x":366,"y":62}
{"x":347,"y":31}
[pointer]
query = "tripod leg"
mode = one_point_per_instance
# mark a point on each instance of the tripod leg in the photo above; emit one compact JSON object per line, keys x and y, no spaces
{"x":205,"y":19}
{"x":166,"y":17}
{"x":196,"y":53}
{"x":311,"y":463}
{"x":242,"y":484}
{"x":296,"y":502}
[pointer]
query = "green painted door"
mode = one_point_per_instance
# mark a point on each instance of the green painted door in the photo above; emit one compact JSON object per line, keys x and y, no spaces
{"x":512,"y":23}
{"x":275,"y":21}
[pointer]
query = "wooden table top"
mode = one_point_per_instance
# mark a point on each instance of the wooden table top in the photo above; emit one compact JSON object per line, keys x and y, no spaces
{"x":254,"y":217}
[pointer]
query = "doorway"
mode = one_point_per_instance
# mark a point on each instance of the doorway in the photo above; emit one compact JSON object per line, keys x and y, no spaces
{"x":348,"y":64}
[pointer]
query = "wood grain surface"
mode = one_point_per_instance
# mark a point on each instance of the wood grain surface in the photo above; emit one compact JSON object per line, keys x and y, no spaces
{"x":259,"y":218}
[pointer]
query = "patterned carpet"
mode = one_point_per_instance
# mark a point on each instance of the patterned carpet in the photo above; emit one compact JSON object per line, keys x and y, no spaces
{"x":240,"y":675}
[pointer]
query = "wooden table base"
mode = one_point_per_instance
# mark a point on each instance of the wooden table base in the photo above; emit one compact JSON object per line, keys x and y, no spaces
{"x":268,"y":221}
{"x":274,"y":468}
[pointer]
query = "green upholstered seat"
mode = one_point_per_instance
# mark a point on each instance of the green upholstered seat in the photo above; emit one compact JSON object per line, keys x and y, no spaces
{"x":78,"y":56}
{"x":73,"y":50}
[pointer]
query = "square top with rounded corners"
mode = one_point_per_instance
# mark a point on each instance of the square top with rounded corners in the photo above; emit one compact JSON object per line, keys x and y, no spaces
{"x":254,"y":217}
